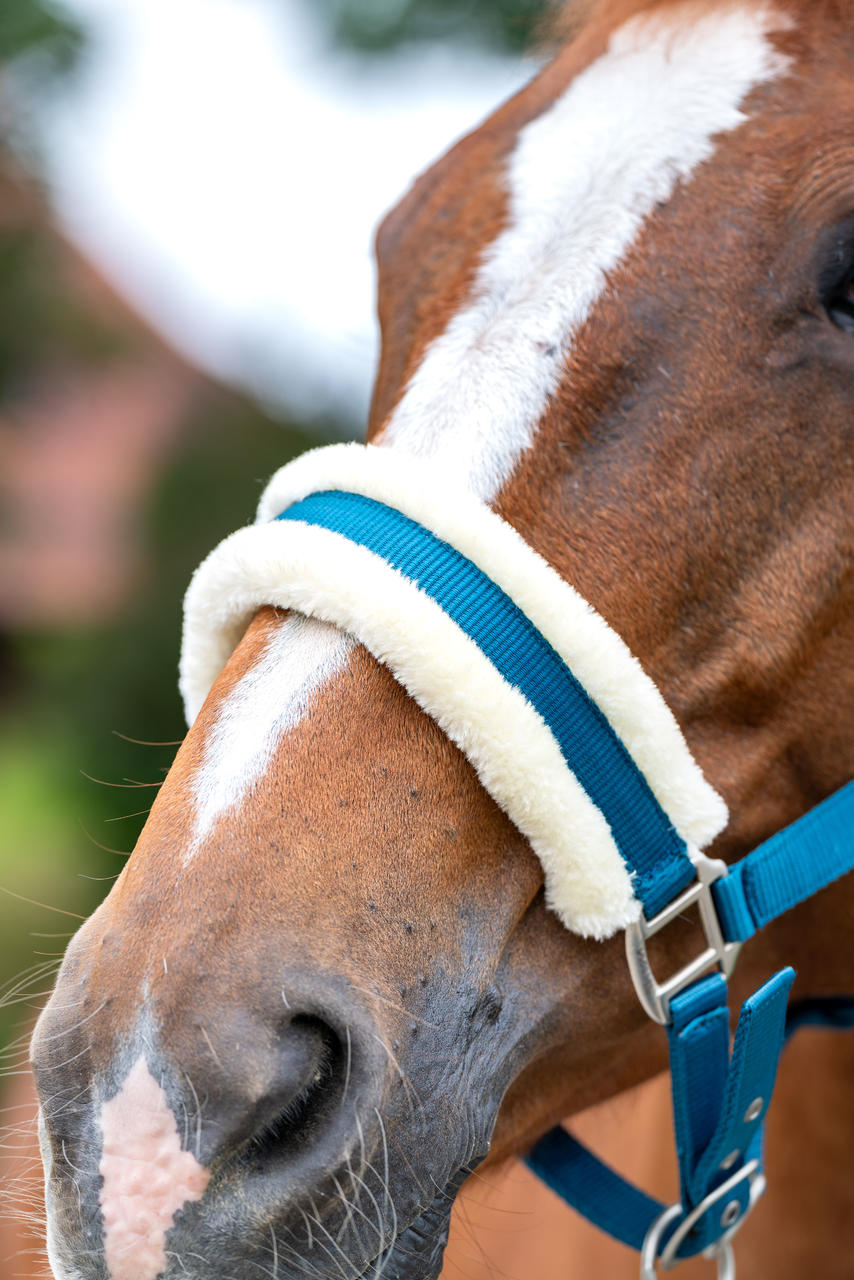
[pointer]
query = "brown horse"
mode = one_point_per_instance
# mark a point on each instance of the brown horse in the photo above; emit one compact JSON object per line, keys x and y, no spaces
{"x":327,"y":983}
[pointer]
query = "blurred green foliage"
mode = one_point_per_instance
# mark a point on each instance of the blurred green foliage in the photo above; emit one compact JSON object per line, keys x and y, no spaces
{"x":379,"y":26}
{"x":41,"y":29}
{"x":68,"y":693}
{"x":41,"y":323}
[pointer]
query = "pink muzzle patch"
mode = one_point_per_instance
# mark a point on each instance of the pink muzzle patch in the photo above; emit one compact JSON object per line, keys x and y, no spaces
{"x":147,"y":1176}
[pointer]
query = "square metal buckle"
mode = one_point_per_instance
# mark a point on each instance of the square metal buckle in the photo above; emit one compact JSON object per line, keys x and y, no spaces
{"x":656,"y":996}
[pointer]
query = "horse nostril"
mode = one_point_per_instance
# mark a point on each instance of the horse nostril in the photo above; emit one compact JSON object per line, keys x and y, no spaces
{"x":311,"y":1078}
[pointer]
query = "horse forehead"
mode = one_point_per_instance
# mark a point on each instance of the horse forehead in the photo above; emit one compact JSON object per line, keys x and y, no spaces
{"x":520,"y":225}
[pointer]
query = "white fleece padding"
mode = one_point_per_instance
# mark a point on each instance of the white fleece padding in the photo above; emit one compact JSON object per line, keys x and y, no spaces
{"x":516,"y":757}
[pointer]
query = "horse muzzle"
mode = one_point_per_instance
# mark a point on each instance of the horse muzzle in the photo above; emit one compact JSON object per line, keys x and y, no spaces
{"x":283,"y":1131}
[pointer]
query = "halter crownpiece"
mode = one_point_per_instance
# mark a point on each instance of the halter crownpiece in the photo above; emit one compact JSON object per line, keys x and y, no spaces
{"x":576,"y":744}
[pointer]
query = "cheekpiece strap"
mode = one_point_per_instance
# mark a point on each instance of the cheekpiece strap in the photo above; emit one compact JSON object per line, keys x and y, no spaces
{"x":789,"y":867}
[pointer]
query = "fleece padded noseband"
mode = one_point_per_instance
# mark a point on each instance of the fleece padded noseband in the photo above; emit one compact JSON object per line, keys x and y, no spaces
{"x":312,"y":562}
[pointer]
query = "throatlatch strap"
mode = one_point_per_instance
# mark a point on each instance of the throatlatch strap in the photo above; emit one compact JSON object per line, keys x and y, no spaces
{"x":643,"y":832}
{"x":593,"y":1188}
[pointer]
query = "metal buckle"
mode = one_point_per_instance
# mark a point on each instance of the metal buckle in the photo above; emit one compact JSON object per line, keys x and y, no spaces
{"x":721,"y":1251}
{"x":653,"y":995}
{"x":649,"y":1253}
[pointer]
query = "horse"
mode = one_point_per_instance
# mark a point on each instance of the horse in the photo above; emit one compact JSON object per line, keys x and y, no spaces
{"x":330,"y":985}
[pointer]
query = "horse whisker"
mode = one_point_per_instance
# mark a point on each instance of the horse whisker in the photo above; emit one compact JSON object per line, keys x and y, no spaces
{"x":33,"y":903}
{"x":141,"y":742}
{"x":77,"y":1025}
{"x":127,"y":785}
{"x":139,"y":813}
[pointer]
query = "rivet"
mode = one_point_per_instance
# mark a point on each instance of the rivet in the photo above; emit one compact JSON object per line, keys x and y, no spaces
{"x":730,"y":1214}
{"x":754,"y":1111}
{"x":729,"y":1161}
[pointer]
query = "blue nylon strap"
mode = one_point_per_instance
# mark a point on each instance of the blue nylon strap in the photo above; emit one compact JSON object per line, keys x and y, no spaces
{"x":758,"y":1042}
{"x":593,"y":1189}
{"x":719,"y":1115}
{"x":789,"y":868}
{"x":642,"y":830}
{"x":712,"y":1097}
{"x":698,"y":1039}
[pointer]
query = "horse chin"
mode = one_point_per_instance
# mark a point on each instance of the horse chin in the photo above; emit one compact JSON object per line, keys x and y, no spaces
{"x":412,"y":1249}
{"x":407,"y":1241}
{"x":417,"y":1251}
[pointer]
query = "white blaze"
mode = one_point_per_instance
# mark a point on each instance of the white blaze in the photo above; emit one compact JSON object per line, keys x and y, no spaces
{"x":269,"y":699}
{"x":581,"y":181}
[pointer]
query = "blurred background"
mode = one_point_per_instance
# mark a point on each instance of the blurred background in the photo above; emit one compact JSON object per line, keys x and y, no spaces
{"x":188,"y":190}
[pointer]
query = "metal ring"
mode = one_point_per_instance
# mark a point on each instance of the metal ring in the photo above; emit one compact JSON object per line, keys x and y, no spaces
{"x":649,"y":1252}
{"x":722,"y":1255}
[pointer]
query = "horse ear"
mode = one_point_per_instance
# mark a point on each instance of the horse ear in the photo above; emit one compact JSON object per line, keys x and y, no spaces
{"x":387,"y":236}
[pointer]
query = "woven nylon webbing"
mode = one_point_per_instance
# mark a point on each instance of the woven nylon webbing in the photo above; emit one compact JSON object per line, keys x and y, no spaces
{"x":789,"y":867}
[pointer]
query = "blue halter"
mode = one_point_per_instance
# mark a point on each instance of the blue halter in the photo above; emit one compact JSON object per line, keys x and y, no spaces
{"x":720,"y":1096}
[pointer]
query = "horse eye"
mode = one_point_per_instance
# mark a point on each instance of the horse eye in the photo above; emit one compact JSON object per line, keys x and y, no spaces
{"x":840,"y":307}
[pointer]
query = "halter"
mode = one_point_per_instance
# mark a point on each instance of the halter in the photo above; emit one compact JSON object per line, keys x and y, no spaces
{"x":575,"y":742}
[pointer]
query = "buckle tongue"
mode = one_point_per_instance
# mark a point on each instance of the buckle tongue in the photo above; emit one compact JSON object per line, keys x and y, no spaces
{"x":656,"y":996}
{"x":721,"y":1250}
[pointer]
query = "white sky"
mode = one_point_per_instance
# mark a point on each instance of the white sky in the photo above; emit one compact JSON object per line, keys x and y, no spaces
{"x":226,"y":167}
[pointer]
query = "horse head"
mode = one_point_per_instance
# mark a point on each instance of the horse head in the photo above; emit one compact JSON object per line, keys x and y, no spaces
{"x":328,"y":982}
